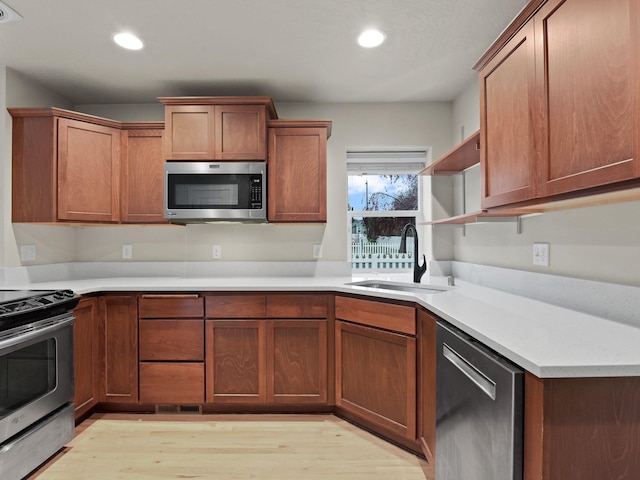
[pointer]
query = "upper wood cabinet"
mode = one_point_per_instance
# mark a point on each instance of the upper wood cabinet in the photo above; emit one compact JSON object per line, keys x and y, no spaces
{"x":88,"y":171}
{"x":72,"y":167}
{"x":588,"y":88}
{"x":507,"y":149}
{"x":297,"y":170}
{"x":66,"y":167}
{"x":559,"y":102}
{"x":142,"y":185}
{"x":216,"y":128}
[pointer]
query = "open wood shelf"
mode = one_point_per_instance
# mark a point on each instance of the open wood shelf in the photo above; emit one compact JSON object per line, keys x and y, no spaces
{"x":458,"y":159}
{"x":482,"y":216}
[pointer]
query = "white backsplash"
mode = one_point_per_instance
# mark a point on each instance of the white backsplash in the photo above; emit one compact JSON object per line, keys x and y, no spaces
{"x":620,"y":303}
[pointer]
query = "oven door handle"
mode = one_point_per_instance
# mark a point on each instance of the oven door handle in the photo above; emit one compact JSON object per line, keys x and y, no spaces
{"x":42,"y":328}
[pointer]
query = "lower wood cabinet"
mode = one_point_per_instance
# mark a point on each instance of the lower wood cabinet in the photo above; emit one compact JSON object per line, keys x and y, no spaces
{"x":267,"y":349}
{"x":119,"y":324}
{"x":86,"y":356}
{"x":171,"y":353}
{"x":172,"y":382}
{"x":236,"y":361}
{"x":297,"y":361}
{"x":427,"y":385}
{"x":376,"y":367}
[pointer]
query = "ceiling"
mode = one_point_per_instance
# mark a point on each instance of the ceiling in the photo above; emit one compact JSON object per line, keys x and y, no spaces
{"x":291,"y":50}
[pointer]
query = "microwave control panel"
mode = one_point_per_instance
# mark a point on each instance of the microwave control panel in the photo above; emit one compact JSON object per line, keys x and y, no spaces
{"x":256,"y":192}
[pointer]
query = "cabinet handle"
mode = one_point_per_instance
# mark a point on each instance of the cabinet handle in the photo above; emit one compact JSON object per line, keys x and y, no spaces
{"x":483,"y":382}
{"x":171,"y":295}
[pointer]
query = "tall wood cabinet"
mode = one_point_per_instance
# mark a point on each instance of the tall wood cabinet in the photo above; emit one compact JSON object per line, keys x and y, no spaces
{"x":216,"y":128}
{"x":559,"y":102}
{"x":297,"y":170}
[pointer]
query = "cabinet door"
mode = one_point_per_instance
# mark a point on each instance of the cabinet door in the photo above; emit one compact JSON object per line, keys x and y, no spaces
{"x":88,"y":171}
{"x":297,"y":175}
{"x":235,"y":361}
{"x":86,"y":356}
{"x":297,"y":361}
{"x":376,"y":377}
{"x":507,"y":147}
{"x":189,"y":131}
{"x":142,"y":196}
{"x":427,"y":385}
{"x":587,"y":62}
{"x":120,"y":329}
{"x":240,"y":132}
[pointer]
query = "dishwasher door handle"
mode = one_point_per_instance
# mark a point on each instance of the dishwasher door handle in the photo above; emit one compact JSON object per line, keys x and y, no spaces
{"x":483,"y":382}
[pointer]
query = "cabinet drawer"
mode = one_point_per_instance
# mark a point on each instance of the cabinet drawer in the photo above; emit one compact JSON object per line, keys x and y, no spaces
{"x":171,"y":306}
{"x":398,"y":318}
{"x":171,"y":340}
{"x":297,"y":306}
{"x":172,"y":382}
{"x":236,"y":306}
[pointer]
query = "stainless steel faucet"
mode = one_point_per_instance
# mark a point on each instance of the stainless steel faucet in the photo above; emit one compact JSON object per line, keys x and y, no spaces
{"x":418,"y":270}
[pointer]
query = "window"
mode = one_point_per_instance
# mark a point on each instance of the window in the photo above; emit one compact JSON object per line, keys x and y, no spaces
{"x":383,"y":195}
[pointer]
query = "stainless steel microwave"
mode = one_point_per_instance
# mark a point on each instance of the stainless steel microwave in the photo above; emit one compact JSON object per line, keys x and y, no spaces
{"x":214,"y":191}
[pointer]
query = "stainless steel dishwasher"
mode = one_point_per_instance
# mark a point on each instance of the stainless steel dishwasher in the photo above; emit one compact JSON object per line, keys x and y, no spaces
{"x":479,"y":411}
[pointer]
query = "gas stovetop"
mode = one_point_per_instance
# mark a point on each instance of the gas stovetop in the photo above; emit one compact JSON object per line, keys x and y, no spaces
{"x":20,"y":306}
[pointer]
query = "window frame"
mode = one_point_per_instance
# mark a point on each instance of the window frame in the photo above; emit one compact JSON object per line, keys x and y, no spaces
{"x":418,"y":214}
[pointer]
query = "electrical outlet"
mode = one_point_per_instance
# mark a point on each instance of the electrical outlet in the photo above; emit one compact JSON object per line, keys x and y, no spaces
{"x":127,"y":252}
{"x":317,"y":250}
{"x":216,"y":251}
{"x":28,"y":253}
{"x":541,"y":254}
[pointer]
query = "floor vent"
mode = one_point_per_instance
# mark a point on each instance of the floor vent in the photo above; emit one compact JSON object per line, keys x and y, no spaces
{"x":195,"y":409}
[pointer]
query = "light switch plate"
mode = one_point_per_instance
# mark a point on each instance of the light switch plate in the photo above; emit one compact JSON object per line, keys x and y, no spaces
{"x":216,"y":251}
{"x":541,"y":254}
{"x":317,"y":250}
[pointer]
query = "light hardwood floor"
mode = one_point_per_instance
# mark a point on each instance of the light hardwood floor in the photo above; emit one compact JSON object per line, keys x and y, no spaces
{"x":266,"y":447}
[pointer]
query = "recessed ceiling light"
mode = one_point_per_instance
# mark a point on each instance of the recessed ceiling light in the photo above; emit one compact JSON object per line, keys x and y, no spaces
{"x":371,"y":38}
{"x":128,"y":41}
{"x":8,"y":14}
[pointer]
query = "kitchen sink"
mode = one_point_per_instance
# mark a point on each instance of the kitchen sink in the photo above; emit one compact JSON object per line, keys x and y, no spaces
{"x":398,"y":286}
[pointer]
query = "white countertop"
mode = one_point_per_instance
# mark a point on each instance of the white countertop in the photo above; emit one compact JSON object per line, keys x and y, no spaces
{"x":546,"y":340}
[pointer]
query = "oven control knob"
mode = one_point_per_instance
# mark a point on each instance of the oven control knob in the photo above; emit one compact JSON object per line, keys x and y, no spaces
{"x":58,"y":295}
{"x":68,"y":293}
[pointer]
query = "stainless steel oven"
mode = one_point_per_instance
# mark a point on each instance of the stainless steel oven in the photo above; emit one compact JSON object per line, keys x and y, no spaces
{"x":36,"y":378}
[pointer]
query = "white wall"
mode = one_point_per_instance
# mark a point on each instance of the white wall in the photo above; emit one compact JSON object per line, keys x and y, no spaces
{"x":59,"y":242}
{"x":597,"y":243}
{"x":354,"y":125}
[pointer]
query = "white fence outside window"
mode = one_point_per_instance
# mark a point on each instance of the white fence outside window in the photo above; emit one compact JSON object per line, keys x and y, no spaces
{"x":382,"y":255}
